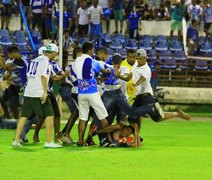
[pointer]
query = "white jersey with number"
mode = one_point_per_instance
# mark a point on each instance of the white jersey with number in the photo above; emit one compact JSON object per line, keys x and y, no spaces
{"x":38,"y":67}
{"x":137,"y":73}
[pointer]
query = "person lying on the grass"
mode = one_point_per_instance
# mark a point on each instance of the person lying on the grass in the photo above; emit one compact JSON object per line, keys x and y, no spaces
{"x":120,"y":134}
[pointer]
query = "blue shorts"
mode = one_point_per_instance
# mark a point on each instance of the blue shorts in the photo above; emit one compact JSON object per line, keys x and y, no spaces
{"x":95,"y":29}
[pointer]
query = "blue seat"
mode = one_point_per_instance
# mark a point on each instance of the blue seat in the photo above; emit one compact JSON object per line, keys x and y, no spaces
{"x":74,"y":36}
{"x":175,"y":46}
{"x":206,"y":47}
{"x":131,"y":44}
{"x":6,"y":40}
{"x":106,"y":39}
{"x":120,"y":36}
{"x":110,"y":52}
{"x":18,"y":33}
{"x":161,"y":46}
{"x":116,"y":44}
{"x":82,"y":41}
{"x":123,"y":52}
{"x":168,"y":62}
{"x":146,"y":37}
{"x":174,"y":38}
{"x":152,"y":54}
{"x":180,"y":57}
{"x":201,"y":65}
{"x":209,"y":62}
{"x":147,"y":45}
{"x":25,"y":49}
{"x":201,"y":40}
{"x":19,"y":38}
{"x":4,"y":32}
{"x":36,"y":37}
{"x":160,"y":38}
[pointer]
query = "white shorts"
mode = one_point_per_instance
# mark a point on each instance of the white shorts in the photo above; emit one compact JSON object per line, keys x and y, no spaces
{"x":94,"y":100}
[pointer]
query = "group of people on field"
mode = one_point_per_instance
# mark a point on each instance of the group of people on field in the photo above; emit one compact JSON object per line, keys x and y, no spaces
{"x":92,"y":86}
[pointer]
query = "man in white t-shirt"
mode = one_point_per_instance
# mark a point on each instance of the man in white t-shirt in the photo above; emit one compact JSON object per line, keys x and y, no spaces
{"x":144,"y":93}
{"x":195,"y":11}
{"x":35,"y":95}
{"x":95,"y":14}
{"x":106,"y":6}
{"x":82,"y":14}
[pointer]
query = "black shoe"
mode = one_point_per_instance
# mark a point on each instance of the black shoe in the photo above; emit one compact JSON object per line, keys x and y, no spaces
{"x":90,"y":142}
{"x":113,"y":144}
{"x":104,"y":142}
{"x":80,"y":145}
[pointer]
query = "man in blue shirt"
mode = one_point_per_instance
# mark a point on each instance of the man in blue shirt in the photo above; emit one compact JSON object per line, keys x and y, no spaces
{"x":84,"y":70}
{"x":17,"y":66}
{"x":192,"y":37}
{"x":134,"y":22}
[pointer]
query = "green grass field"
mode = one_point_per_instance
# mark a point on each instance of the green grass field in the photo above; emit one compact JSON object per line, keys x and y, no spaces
{"x":171,"y":150}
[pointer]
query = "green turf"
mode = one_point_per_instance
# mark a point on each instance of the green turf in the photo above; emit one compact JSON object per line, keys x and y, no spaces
{"x":171,"y":150}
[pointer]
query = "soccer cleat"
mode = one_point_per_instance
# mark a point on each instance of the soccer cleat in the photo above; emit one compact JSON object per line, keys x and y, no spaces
{"x":104,"y":142}
{"x":113,"y":144}
{"x":160,"y":110}
{"x":90,"y":142}
{"x":52,"y":145}
{"x":16,"y":144}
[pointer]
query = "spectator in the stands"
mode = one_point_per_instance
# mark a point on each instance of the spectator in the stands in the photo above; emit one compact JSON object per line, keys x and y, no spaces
{"x":26,"y":8}
{"x":118,"y":6}
{"x":207,"y":14}
{"x":146,"y":14}
{"x":106,"y":6}
{"x":168,"y":9}
{"x":48,"y":9}
{"x":37,"y":14}
{"x":134,"y":23}
{"x":73,"y":6}
{"x":67,"y":21}
{"x":177,"y":17}
{"x":192,"y":37}
{"x":163,"y":14}
{"x":140,"y":6}
{"x":153,"y":7}
{"x":83,"y":23}
{"x":6,"y":13}
{"x":195,"y":12}
{"x":95,"y":16}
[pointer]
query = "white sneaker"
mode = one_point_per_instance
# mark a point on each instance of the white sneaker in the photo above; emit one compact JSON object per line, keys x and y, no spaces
{"x":160,"y":110}
{"x":16,"y":144}
{"x":52,"y":145}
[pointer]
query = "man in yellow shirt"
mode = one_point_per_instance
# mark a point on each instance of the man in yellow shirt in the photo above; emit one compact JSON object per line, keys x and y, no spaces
{"x":129,"y":62}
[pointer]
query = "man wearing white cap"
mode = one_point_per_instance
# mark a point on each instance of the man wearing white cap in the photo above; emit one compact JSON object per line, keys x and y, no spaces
{"x":144,"y":93}
{"x":35,"y":95}
{"x":41,"y":50}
